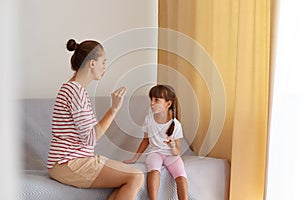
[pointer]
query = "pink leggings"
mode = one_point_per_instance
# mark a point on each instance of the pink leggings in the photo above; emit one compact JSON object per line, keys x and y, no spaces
{"x":174,"y":164}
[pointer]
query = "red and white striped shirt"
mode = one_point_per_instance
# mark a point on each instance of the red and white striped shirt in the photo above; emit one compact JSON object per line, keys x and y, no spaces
{"x":73,"y":121}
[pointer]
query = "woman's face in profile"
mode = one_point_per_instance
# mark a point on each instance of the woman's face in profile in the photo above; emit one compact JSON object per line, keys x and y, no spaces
{"x":99,"y":69}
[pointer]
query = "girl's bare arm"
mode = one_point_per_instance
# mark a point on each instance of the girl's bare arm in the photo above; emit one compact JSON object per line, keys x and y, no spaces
{"x":142,"y":147}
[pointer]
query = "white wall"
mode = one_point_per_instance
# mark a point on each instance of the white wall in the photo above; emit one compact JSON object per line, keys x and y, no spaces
{"x":284,"y":162}
{"x":10,"y":142}
{"x":34,"y":61}
{"x":47,"y":25}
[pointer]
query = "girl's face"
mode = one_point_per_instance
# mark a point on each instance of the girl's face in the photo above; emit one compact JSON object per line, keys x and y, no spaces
{"x":99,"y":68}
{"x":159,"y":105}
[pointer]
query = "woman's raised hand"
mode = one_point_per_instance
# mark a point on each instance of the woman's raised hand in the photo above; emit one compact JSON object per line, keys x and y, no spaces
{"x":117,"y":99}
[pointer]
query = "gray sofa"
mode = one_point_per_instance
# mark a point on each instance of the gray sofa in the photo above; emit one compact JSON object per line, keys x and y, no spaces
{"x":208,"y":178}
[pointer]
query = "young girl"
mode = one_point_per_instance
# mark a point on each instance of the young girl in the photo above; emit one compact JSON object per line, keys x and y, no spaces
{"x":162,"y":133}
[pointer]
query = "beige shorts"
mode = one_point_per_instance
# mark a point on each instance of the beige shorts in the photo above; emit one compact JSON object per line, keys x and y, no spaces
{"x":80,"y":172}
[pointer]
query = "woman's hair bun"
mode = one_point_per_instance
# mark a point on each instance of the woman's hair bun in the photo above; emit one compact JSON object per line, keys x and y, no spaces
{"x":72,"y":45}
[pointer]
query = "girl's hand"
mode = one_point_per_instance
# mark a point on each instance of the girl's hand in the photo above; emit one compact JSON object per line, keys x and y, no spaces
{"x":117,"y":99}
{"x":170,"y":142}
{"x":131,"y":161}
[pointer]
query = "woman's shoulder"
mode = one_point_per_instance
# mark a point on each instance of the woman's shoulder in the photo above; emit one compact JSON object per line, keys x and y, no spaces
{"x":73,"y":88}
{"x":72,"y":84}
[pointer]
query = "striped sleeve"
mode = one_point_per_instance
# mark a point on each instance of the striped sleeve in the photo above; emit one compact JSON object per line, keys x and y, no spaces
{"x":83,"y":115}
{"x":84,"y":122}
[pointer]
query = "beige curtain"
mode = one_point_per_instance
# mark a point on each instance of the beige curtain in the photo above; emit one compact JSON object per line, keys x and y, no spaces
{"x":236,"y":35}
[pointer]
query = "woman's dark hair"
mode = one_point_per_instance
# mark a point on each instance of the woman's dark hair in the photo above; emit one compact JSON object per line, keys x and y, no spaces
{"x":83,"y":52}
{"x":168,"y":93}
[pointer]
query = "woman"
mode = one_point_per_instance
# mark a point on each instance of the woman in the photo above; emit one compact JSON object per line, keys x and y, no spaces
{"x":75,"y":130}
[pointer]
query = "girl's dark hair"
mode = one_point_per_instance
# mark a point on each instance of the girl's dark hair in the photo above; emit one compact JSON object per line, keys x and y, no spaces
{"x":168,"y":93}
{"x":83,"y":52}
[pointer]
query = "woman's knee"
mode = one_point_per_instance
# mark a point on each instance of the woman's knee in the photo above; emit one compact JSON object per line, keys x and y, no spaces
{"x":138,"y":178}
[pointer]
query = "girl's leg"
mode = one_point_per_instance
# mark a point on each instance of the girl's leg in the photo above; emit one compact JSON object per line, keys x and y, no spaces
{"x":182,"y":188}
{"x":153,"y":181}
{"x":154,"y":162}
{"x":126,"y":178}
{"x":176,"y":168}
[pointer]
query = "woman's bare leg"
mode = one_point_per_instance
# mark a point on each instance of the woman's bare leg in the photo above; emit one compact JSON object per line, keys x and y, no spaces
{"x":182,"y":188}
{"x":126,"y":178}
{"x":153,"y":181}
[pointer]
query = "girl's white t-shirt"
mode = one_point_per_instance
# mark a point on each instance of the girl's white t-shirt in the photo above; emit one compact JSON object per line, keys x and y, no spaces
{"x":156,"y":133}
